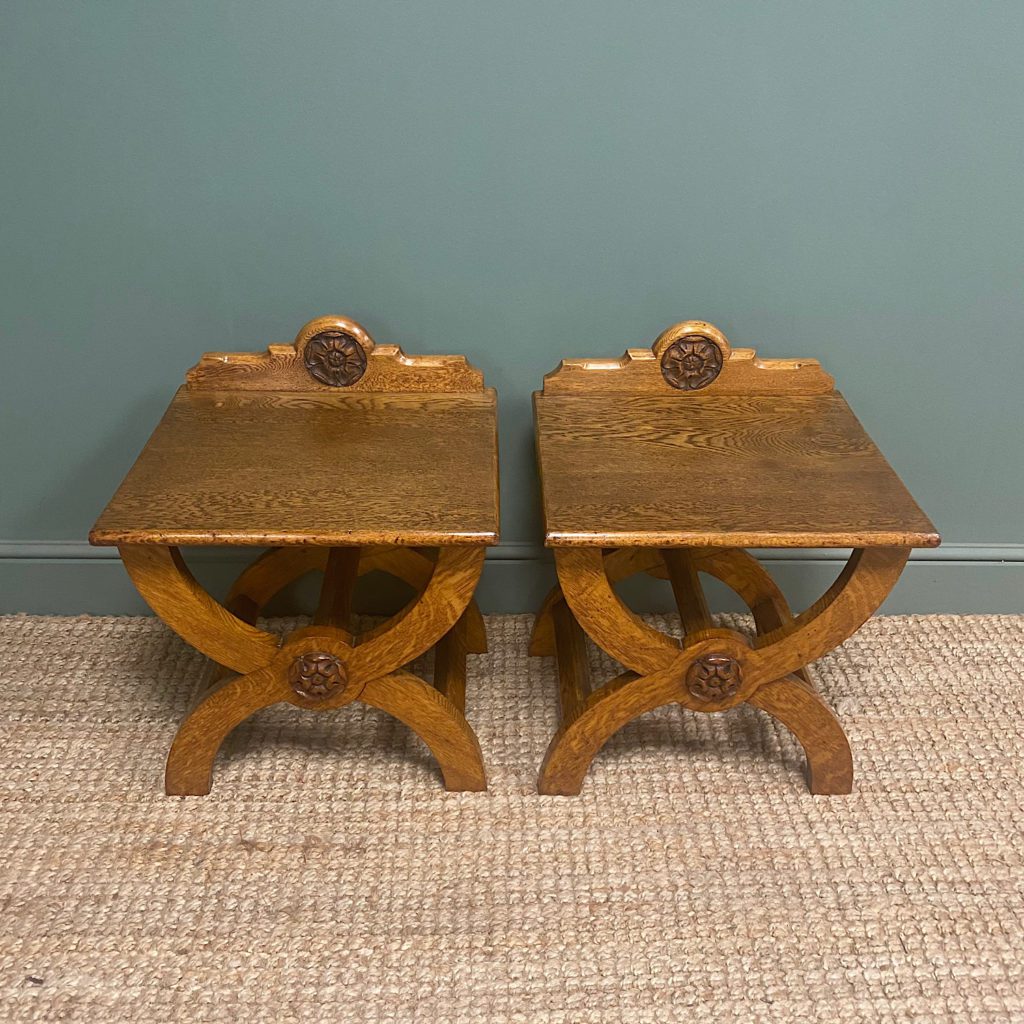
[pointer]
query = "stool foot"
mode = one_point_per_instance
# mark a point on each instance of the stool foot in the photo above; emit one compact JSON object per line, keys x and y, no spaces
{"x":437,"y":721}
{"x":189,"y":769}
{"x":450,"y":662}
{"x":606,"y":710}
{"x":829,"y":759}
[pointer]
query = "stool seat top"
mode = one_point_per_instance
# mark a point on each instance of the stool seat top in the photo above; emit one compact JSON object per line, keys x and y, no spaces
{"x":263,"y":468}
{"x":707,"y":470}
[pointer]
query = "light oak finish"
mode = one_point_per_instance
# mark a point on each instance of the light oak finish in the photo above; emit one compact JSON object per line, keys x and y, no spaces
{"x":605,"y":616}
{"x":450,"y":664}
{"x":690,"y":601}
{"x":573,"y":670}
{"x":725,"y":471}
{"x":639,"y":370}
{"x":281,"y":367}
{"x":349,"y":458}
{"x":335,"y":605}
{"x":165,"y":583}
{"x":669,"y":462}
{"x":263,"y":468}
{"x":438,"y":722}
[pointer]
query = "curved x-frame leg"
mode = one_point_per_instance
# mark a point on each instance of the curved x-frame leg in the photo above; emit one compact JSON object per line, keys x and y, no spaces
{"x":711,"y":669}
{"x":322,"y":666}
{"x":826,"y":748}
{"x":437,"y":721}
{"x":220,"y":709}
{"x":277,"y":567}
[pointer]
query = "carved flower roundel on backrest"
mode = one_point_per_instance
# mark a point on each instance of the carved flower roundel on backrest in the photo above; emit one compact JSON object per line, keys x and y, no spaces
{"x":335,"y":358}
{"x":691,"y":363}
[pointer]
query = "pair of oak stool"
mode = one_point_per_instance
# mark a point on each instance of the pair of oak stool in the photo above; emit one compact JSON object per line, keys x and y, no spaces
{"x":344,"y":457}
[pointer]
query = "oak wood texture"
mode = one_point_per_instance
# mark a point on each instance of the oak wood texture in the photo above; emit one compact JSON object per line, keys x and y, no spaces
{"x":670,"y":462}
{"x":267,"y":468}
{"x":282,"y":367}
{"x":450,"y":664}
{"x":277,"y":567}
{"x":348,"y":458}
{"x":370,"y":664}
{"x":765,"y":454}
{"x":686,"y":588}
{"x":766,"y":665}
{"x":340,"y":573}
{"x":573,"y":669}
{"x":724,"y":471}
{"x":639,"y":370}
{"x":813,"y":723}
{"x":169,"y":588}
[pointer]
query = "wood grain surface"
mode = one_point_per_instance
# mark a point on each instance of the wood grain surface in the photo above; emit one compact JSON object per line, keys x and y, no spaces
{"x":829,"y":758}
{"x":282,"y":367}
{"x":713,"y":668}
{"x":274,"y":669}
{"x":719,"y":471}
{"x":573,"y":667}
{"x":344,"y":457}
{"x":169,"y":588}
{"x":650,"y":371}
{"x":676,"y":458}
{"x":268,"y":468}
{"x":638,"y":371}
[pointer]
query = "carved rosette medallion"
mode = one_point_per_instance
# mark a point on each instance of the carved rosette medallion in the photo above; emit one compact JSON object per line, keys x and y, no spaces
{"x":335,"y":358}
{"x":317,"y":676}
{"x":691,"y":363}
{"x":714,"y":677}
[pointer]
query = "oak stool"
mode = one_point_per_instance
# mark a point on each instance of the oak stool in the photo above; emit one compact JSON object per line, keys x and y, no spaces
{"x":672,"y":461}
{"x":343,"y":457}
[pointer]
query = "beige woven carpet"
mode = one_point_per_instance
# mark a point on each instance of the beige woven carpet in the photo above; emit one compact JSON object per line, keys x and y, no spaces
{"x":329,"y":877}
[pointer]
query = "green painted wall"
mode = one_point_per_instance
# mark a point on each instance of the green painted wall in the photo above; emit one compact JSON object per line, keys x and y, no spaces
{"x":517,"y":182}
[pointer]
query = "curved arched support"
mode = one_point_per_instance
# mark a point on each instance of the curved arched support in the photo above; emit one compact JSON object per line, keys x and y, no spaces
{"x":164,"y":581}
{"x":434,"y":718}
{"x":743,"y":573}
{"x":425,"y":619}
{"x":856,"y":594}
{"x":437,"y":721}
{"x":542,"y":637}
{"x":319,"y":667}
{"x":268,"y":574}
{"x":605,"y":617}
{"x":276,"y":568}
{"x":607,"y":710}
{"x":189,"y":769}
{"x":812,"y":722}
{"x":619,"y":564}
{"x":767,"y":672}
{"x":415,"y":568}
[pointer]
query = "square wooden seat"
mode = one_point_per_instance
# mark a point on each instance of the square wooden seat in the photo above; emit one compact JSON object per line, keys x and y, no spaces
{"x":672,"y":461}
{"x":274,"y":468}
{"x":343,"y":457}
{"x":718,"y":470}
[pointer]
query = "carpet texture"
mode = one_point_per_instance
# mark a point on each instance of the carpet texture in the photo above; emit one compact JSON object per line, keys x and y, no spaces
{"x":329,"y":878}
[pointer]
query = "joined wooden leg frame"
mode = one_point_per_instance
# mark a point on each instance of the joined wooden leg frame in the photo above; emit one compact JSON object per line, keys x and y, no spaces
{"x":710,"y":669}
{"x":324,"y":665}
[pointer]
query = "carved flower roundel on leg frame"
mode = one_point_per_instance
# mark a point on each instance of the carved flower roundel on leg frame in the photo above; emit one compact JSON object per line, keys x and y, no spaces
{"x":335,"y":358}
{"x":691,"y":363}
{"x":316,"y":676}
{"x":714,"y":677}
